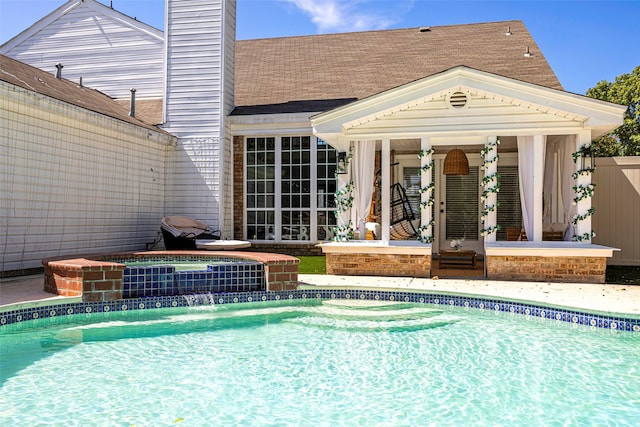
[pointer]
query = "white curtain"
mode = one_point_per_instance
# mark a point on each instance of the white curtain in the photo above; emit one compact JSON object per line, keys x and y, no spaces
{"x":526,"y":153}
{"x":565,"y":150}
{"x":364,"y":159}
{"x":550,"y":177}
{"x":558,"y":183}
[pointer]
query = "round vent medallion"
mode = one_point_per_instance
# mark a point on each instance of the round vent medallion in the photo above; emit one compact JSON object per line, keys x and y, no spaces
{"x":458,"y":100}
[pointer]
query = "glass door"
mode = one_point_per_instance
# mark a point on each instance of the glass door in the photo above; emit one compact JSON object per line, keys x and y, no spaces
{"x":460,"y":210}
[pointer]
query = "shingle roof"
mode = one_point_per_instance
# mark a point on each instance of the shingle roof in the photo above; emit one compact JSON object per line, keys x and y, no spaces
{"x":42,"y":82}
{"x":316,"y":73}
{"x":147,"y":110}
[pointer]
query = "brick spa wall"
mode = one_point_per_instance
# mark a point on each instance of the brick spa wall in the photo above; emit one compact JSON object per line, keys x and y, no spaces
{"x":97,"y":280}
{"x":94,"y":281}
{"x":547,"y":269}
{"x":387,"y":265}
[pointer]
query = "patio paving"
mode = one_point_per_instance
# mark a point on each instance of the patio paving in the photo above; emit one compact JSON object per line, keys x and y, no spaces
{"x":623,"y":299}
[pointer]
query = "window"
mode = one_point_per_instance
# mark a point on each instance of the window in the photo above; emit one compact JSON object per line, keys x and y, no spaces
{"x":295,"y":197}
{"x":326,"y":189}
{"x":290,"y":188}
{"x":462,"y":205}
{"x":411,"y":181}
{"x":509,"y":210}
{"x":260,"y":181}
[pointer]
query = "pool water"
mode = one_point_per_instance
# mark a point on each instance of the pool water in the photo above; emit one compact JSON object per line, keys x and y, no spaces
{"x":178,"y":266}
{"x":331,"y":363}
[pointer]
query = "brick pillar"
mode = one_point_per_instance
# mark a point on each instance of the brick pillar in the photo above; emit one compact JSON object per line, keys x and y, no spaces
{"x":238,"y":187}
{"x":281,"y":275}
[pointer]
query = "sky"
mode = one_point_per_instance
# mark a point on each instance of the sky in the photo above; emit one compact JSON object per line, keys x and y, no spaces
{"x":585,"y":42}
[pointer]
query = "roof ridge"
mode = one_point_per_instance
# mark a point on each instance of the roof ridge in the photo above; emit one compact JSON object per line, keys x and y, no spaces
{"x":348,"y":33}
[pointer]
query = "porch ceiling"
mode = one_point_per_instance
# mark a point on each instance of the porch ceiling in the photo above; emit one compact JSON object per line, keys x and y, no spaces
{"x":508,"y":144}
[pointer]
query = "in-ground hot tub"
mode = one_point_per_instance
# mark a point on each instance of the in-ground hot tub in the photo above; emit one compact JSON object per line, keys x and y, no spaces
{"x":106,"y":277}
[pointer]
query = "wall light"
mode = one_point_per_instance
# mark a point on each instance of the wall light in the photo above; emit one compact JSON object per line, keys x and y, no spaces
{"x":587,"y":158}
{"x":341,"y":167}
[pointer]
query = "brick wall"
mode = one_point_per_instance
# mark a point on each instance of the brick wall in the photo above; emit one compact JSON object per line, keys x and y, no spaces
{"x":238,"y":187}
{"x":95,"y":281}
{"x":547,"y":269}
{"x":388,"y":265}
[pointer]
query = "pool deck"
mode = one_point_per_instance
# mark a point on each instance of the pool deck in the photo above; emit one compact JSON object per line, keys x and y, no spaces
{"x":17,"y":292}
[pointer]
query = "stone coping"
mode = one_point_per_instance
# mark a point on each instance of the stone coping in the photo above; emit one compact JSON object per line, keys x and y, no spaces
{"x":91,"y":260}
{"x":544,"y":249}
{"x":548,"y":249}
{"x":577,"y":317}
{"x":399,"y":247}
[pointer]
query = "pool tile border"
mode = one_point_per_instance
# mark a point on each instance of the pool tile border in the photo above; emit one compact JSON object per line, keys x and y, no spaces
{"x":618,"y":322}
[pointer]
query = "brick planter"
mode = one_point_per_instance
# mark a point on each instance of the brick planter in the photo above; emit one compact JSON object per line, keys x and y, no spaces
{"x":376,"y":259}
{"x":567,"y":262}
{"x":547,"y":269}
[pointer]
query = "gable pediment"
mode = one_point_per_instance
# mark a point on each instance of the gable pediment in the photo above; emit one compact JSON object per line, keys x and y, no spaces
{"x":482,"y":103}
{"x":481,"y":110}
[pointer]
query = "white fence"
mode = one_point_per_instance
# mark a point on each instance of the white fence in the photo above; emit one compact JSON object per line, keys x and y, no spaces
{"x":74,"y":182}
{"x":616,"y":220}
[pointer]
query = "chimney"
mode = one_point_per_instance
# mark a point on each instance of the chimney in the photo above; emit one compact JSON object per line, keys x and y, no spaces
{"x":59,"y":72}
{"x":132,"y":103}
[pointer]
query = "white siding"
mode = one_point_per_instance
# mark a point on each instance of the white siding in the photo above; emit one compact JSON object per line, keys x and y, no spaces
{"x":194,"y":98}
{"x":74,"y":182}
{"x":111,"y":52}
{"x":199,"y":91}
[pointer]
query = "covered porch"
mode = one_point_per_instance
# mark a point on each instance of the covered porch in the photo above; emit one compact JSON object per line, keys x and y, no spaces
{"x":528,"y":169}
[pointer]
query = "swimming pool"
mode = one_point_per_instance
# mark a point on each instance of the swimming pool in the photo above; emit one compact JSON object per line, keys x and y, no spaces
{"x":335,"y":360}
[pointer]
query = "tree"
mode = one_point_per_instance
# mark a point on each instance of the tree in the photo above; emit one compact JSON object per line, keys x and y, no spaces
{"x":625,"y":140}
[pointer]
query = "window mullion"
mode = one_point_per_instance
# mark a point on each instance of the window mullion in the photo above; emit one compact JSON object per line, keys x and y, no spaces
{"x":313,"y":235}
{"x":278,"y":190}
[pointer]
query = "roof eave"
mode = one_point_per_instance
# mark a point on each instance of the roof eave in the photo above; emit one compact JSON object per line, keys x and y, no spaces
{"x":600,"y":115}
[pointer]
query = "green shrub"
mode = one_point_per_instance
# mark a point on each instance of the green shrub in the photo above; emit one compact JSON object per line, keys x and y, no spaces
{"x":312,"y":265}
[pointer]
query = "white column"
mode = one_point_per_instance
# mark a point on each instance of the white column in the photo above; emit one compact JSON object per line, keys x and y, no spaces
{"x":538,"y":185}
{"x":425,"y":181}
{"x":491,"y":199}
{"x":343,"y":218}
{"x":385,"y":165}
{"x":584,"y":226}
